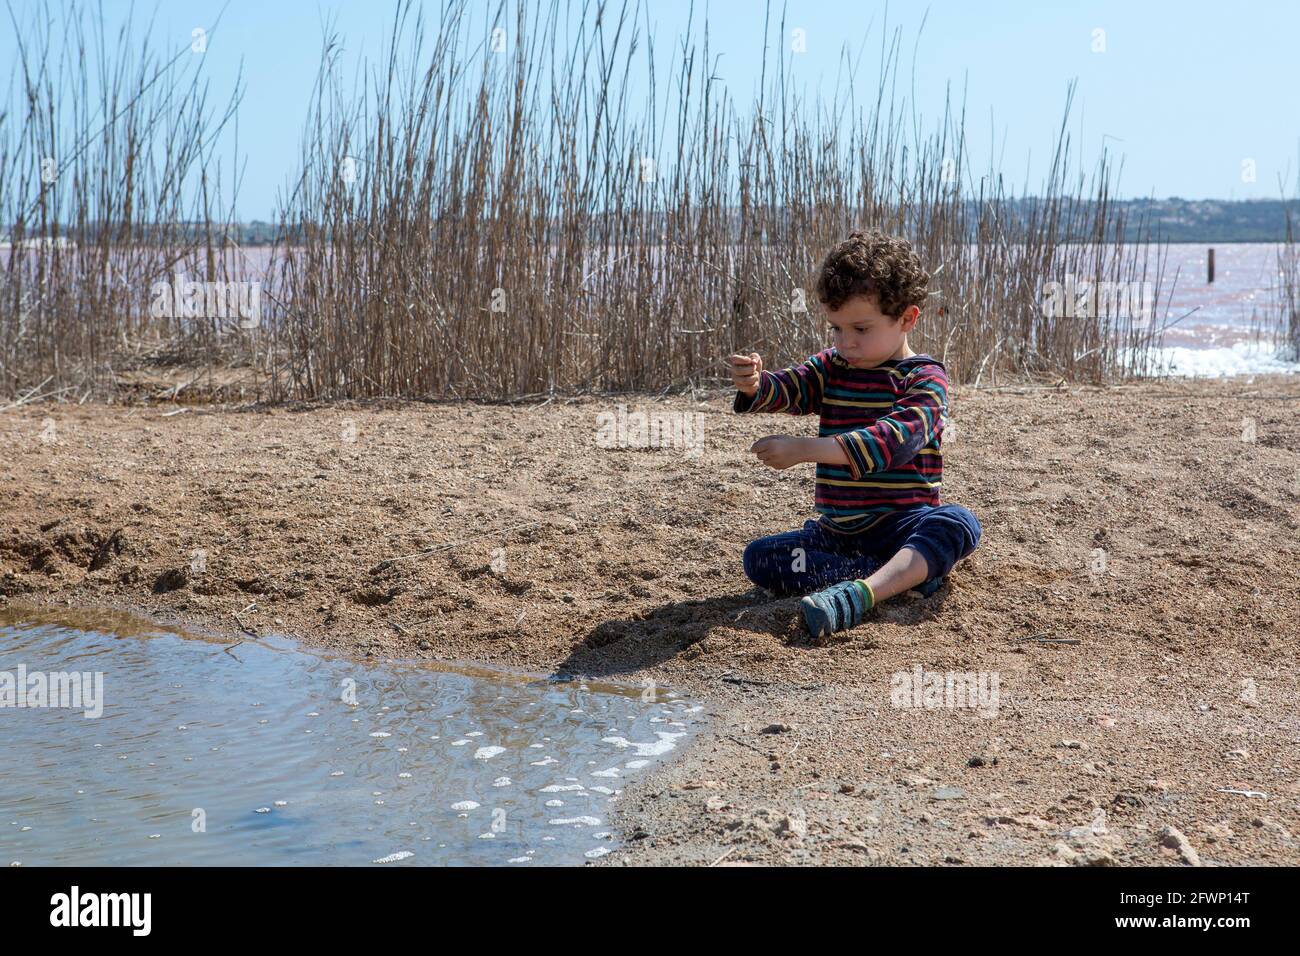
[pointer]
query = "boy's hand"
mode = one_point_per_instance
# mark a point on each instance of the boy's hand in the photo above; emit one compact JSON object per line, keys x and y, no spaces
{"x":780,"y":451}
{"x":745,"y":371}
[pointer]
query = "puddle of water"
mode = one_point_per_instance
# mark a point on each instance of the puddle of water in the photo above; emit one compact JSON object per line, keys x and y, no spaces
{"x":216,"y":754}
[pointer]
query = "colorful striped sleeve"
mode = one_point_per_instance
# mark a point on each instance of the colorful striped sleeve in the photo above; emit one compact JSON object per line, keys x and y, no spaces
{"x":796,"y":391}
{"x":894,"y":439}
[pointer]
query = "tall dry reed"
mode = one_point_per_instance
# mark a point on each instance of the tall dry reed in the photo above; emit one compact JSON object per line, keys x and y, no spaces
{"x":496,"y":216}
{"x":531,"y":208}
{"x":108,"y":185}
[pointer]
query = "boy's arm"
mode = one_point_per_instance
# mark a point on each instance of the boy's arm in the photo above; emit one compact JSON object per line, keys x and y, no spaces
{"x":782,"y":451}
{"x":894,"y":439}
{"x":796,"y":391}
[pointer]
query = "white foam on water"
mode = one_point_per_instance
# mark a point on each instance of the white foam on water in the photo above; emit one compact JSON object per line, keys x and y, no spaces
{"x":336,"y":773}
{"x":666,"y":742}
{"x":561,"y":788}
{"x":404,"y":776}
{"x":281,"y":803}
{"x":394,"y":857}
{"x":577,"y":822}
{"x":604,"y":790}
{"x":544,"y":762}
{"x":487,"y":753}
{"x":555,"y":803}
{"x":502,"y":782}
{"x":487,"y":836}
{"x":520,"y":859}
{"x":262,"y":810}
{"x":637,"y":764}
{"x":465,"y":805}
{"x":597,"y":852}
{"x":1243,"y":358}
{"x":459,"y":743}
{"x":611,"y":772}
{"x":475,"y":733}
{"x":381,"y":733}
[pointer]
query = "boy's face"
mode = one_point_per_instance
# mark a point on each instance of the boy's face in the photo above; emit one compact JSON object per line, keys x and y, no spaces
{"x":863,"y":335}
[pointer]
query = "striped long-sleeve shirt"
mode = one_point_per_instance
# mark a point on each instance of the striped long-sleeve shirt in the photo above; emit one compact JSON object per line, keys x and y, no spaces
{"x":888,"y":419}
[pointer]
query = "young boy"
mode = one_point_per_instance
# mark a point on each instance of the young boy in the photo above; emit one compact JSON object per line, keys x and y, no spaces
{"x":879,"y":464}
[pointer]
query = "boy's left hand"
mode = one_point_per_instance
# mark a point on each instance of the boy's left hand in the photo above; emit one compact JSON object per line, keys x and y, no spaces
{"x":779,"y":451}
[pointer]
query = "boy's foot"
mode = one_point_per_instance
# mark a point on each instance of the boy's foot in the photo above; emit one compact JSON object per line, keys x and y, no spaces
{"x":837,"y":608}
{"x":926,"y":588}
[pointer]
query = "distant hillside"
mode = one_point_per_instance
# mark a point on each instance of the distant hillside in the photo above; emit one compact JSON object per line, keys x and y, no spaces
{"x":1184,"y":220}
{"x":1216,"y":220}
{"x":1173,"y":220}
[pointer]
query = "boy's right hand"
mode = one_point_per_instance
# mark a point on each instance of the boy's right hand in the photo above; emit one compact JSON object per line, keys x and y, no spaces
{"x":745,"y":371}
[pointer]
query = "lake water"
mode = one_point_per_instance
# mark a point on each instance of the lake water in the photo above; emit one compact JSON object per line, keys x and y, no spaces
{"x":1212,"y":329}
{"x":1237,"y":298}
{"x":262,"y":752}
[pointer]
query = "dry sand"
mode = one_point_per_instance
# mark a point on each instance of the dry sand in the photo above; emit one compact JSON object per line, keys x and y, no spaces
{"x":1135,"y":592}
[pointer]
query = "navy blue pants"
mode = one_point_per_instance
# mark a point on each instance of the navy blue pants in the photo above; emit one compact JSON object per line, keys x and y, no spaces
{"x":813,"y":558}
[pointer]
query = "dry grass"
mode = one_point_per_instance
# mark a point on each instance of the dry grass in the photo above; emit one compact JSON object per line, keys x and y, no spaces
{"x":473,"y":222}
{"x":108,"y":183}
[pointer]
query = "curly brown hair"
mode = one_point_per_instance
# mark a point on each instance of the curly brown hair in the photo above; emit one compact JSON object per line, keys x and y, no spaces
{"x":873,"y":264}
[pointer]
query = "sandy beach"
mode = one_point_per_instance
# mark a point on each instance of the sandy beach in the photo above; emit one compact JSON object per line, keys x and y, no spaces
{"x":1135,"y":596}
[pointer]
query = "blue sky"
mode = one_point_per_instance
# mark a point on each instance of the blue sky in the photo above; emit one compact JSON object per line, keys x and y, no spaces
{"x":1185,"y":93}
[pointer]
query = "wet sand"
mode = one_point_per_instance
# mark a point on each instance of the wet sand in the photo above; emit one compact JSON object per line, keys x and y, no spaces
{"x":1135,"y":595}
